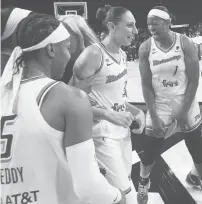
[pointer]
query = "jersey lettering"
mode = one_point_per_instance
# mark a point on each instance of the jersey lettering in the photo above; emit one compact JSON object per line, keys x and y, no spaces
{"x":6,"y":139}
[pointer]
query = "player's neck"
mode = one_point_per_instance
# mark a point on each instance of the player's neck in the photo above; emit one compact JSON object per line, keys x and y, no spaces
{"x":111,"y":45}
{"x":166,"y":40}
{"x":33,"y":69}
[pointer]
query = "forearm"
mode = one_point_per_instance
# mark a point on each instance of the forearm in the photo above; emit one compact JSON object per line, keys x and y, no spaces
{"x":100,"y":113}
{"x":131,"y":108}
{"x":89,"y":184}
{"x":189,"y":97}
{"x":149,"y":98}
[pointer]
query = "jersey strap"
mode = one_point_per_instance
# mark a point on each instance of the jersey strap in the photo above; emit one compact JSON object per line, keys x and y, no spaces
{"x":44,"y":91}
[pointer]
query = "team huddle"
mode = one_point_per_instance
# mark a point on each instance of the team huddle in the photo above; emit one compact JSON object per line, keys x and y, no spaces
{"x":65,"y":119}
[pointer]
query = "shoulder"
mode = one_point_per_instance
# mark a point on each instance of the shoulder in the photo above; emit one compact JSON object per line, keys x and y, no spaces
{"x":91,"y":51}
{"x":189,"y":48}
{"x":188,"y":44}
{"x":145,"y":47}
{"x":186,"y":39}
{"x":68,"y":97}
{"x":91,"y":55}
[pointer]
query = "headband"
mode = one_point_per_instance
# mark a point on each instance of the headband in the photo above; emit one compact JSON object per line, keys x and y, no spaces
{"x":10,"y":80}
{"x":159,"y":13}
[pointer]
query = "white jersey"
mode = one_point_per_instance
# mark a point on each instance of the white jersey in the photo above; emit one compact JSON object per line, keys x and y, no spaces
{"x":168,"y":69}
{"x":108,"y":92}
{"x":34,"y":168}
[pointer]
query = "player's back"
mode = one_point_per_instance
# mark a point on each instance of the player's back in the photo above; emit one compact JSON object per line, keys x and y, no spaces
{"x":33,"y":164}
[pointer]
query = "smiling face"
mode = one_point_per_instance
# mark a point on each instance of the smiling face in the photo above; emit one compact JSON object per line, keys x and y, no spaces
{"x":158,"y":27}
{"x":125,"y":30}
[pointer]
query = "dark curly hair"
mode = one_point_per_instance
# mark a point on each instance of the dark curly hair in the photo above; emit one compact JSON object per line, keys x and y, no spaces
{"x":31,"y":31}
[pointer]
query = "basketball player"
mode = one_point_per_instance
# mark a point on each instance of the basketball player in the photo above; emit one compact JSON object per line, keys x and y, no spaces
{"x":43,"y":127}
{"x":169,"y":69}
{"x":10,"y":18}
{"x":81,"y":36}
{"x":100,"y":71}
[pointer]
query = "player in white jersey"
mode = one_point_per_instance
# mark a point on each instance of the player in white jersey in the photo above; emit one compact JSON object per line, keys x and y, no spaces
{"x":10,"y":18}
{"x":169,"y":69}
{"x":101,"y":71}
{"x":47,"y":151}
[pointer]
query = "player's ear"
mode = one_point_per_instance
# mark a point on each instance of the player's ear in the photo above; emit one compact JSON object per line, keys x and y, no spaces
{"x":110,"y":26}
{"x":50,"y":50}
{"x":168,"y":22}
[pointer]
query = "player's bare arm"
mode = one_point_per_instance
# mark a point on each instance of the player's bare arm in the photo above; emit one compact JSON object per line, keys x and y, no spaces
{"x":85,"y":67}
{"x":74,"y":113}
{"x":146,"y":77}
{"x":192,"y":71}
{"x":148,"y":92}
{"x":68,"y":110}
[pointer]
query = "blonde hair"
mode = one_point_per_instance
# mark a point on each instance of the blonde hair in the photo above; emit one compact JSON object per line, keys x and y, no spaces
{"x":79,"y":26}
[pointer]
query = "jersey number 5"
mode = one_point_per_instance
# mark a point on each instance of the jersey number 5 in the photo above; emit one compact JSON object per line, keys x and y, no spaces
{"x":6,"y":139}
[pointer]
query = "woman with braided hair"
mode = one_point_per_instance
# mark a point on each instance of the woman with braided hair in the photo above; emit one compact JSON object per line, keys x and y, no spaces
{"x":43,"y":127}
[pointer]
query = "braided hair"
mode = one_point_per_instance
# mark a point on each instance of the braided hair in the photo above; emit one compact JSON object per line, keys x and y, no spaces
{"x":31,"y":31}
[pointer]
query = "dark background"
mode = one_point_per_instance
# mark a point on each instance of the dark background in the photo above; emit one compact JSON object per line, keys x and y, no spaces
{"x":185,"y":11}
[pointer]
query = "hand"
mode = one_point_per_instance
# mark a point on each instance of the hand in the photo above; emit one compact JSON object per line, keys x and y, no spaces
{"x":140,"y":119}
{"x":179,"y":113}
{"x":181,"y":118}
{"x":123,"y":119}
{"x":158,"y":127}
{"x":123,"y":198}
{"x":182,"y":121}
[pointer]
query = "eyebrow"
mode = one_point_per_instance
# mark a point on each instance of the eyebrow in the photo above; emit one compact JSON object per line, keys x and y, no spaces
{"x":131,"y":22}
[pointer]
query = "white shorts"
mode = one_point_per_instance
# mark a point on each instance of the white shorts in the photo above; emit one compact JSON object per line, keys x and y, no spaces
{"x":168,"y":108}
{"x":114,"y":158}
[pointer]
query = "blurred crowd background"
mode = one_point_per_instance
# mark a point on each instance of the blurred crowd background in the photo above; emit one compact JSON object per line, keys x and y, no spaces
{"x":192,"y":31}
{"x":182,"y":12}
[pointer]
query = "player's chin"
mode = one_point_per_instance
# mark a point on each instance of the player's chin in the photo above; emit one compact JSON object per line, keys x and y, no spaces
{"x":155,"y":36}
{"x":127,"y":42}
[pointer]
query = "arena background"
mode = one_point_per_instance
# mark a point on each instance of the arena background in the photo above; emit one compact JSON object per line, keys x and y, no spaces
{"x":186,"y":11}
{"x":168,"y":177}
